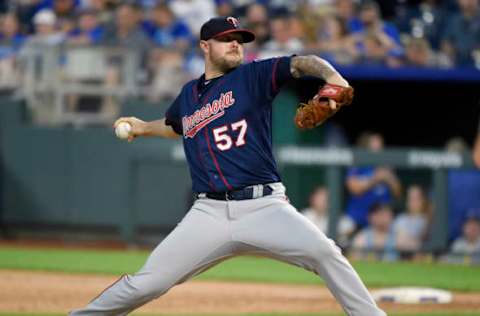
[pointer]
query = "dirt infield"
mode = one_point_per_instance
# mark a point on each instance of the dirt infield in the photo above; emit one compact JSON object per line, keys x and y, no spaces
{"x":45,"y":292}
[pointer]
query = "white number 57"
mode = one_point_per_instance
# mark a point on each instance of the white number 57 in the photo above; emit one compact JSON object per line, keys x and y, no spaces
{"x":224,"y":141}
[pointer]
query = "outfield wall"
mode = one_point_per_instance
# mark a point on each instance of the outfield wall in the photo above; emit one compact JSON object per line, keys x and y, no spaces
{"x":86,"y":179}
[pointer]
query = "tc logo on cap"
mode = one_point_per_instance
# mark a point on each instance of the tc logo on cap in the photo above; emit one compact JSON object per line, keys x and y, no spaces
{"x":233,"y":21}
{"x":222,"y":26}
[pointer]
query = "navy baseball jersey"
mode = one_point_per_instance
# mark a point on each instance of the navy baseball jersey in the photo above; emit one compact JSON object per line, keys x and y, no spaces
{"x":226,"y":125}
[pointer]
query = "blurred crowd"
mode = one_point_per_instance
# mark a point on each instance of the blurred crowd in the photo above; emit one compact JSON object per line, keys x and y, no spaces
{"x":386,"y":219}
{"x":395,"y":33}
{"x":75,"y":61}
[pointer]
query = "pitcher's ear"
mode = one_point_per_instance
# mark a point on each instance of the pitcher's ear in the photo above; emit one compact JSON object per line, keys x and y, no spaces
{"x":204,"y":46}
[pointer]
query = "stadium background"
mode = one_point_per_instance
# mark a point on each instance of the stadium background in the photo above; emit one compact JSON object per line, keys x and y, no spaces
{"x":68,"y":68}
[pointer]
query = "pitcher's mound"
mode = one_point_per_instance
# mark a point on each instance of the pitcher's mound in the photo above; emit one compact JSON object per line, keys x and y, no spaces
{"x":47,"y":292}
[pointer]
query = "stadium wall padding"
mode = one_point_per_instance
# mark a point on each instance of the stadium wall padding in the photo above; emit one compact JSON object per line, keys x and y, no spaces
{"x":85,"y":177}
{"x":66,"y":176}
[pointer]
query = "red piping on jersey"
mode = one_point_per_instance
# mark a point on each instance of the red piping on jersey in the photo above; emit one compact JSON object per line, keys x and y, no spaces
{"x":197,"y":100}
{"x":215,"y":161}
{"x":195,"y":92}
{"x":199,"y":154}
{"x":274,"y":73}
{"x":210,"y":183}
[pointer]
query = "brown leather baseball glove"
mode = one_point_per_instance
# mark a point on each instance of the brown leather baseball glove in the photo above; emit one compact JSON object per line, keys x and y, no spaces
{"x":318,"y":109}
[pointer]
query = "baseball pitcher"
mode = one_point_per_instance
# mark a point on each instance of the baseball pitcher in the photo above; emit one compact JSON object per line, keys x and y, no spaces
{"x":225,"y":121}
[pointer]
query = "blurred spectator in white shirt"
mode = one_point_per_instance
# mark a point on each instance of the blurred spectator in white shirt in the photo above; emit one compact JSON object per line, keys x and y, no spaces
{"x":377,"y":239}
{"x":418,"y":53}
{"x":194,"y":12}
{"x":333,"y":40}
{"x":45,"y":29}
{"x":469,"y":242}
{"x":412,"y":225}
{"x":38,"y":52}
{"x":257,"y":21}
{"x":282,"y":41}
{"x":317,"y":212}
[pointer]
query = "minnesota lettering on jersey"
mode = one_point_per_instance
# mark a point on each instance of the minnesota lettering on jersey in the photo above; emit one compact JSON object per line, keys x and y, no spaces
{"x":207,"y":114}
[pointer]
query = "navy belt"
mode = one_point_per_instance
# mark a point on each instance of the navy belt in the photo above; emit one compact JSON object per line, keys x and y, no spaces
{"x":247,"y":193}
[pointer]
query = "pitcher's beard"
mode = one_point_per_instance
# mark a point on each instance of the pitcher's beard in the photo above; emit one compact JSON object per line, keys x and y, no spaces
{"x":224,"y":64}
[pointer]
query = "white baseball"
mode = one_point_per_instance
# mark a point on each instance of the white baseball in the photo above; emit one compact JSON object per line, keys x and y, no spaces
{"x":123,"y":130}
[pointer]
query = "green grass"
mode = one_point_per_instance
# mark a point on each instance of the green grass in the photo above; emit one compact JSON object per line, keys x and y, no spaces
{"x":76,"y":261}
{"x":374,"y":274}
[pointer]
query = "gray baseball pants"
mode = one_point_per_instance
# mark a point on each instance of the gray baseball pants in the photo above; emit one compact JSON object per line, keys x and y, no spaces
{"x":213,"y":231}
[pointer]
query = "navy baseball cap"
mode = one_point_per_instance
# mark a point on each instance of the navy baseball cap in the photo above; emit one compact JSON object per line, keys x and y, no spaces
{"x":224,"y":25}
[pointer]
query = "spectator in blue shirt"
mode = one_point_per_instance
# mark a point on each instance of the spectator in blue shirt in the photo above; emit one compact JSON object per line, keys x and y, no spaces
{"x":65,"y":12}
{"x":369,"y":185}
{"x":126,"y":31}
{"x":422,"y":20}
{"x":462,"y":34}
{"x":171,"y":39}
{"x":371,"y":19}
{"x":88,"y":30}
{"x":463,"y":191}
{"x":373,"y":32}
{"x":11,"y":40}
{"x":346,"y":11}
{"x":166,"y":31}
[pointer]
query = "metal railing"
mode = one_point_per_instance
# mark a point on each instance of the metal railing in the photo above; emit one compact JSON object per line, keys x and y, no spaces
{"x":56,"y":78}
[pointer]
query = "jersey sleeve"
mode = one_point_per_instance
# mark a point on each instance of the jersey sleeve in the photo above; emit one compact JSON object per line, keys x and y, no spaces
{"x":269,"y":75}
{"x":173,"y":118}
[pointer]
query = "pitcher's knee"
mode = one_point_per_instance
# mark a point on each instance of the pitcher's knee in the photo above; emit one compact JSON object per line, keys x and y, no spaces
{"x":146,"y":288}
{"x":323,"y":248}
